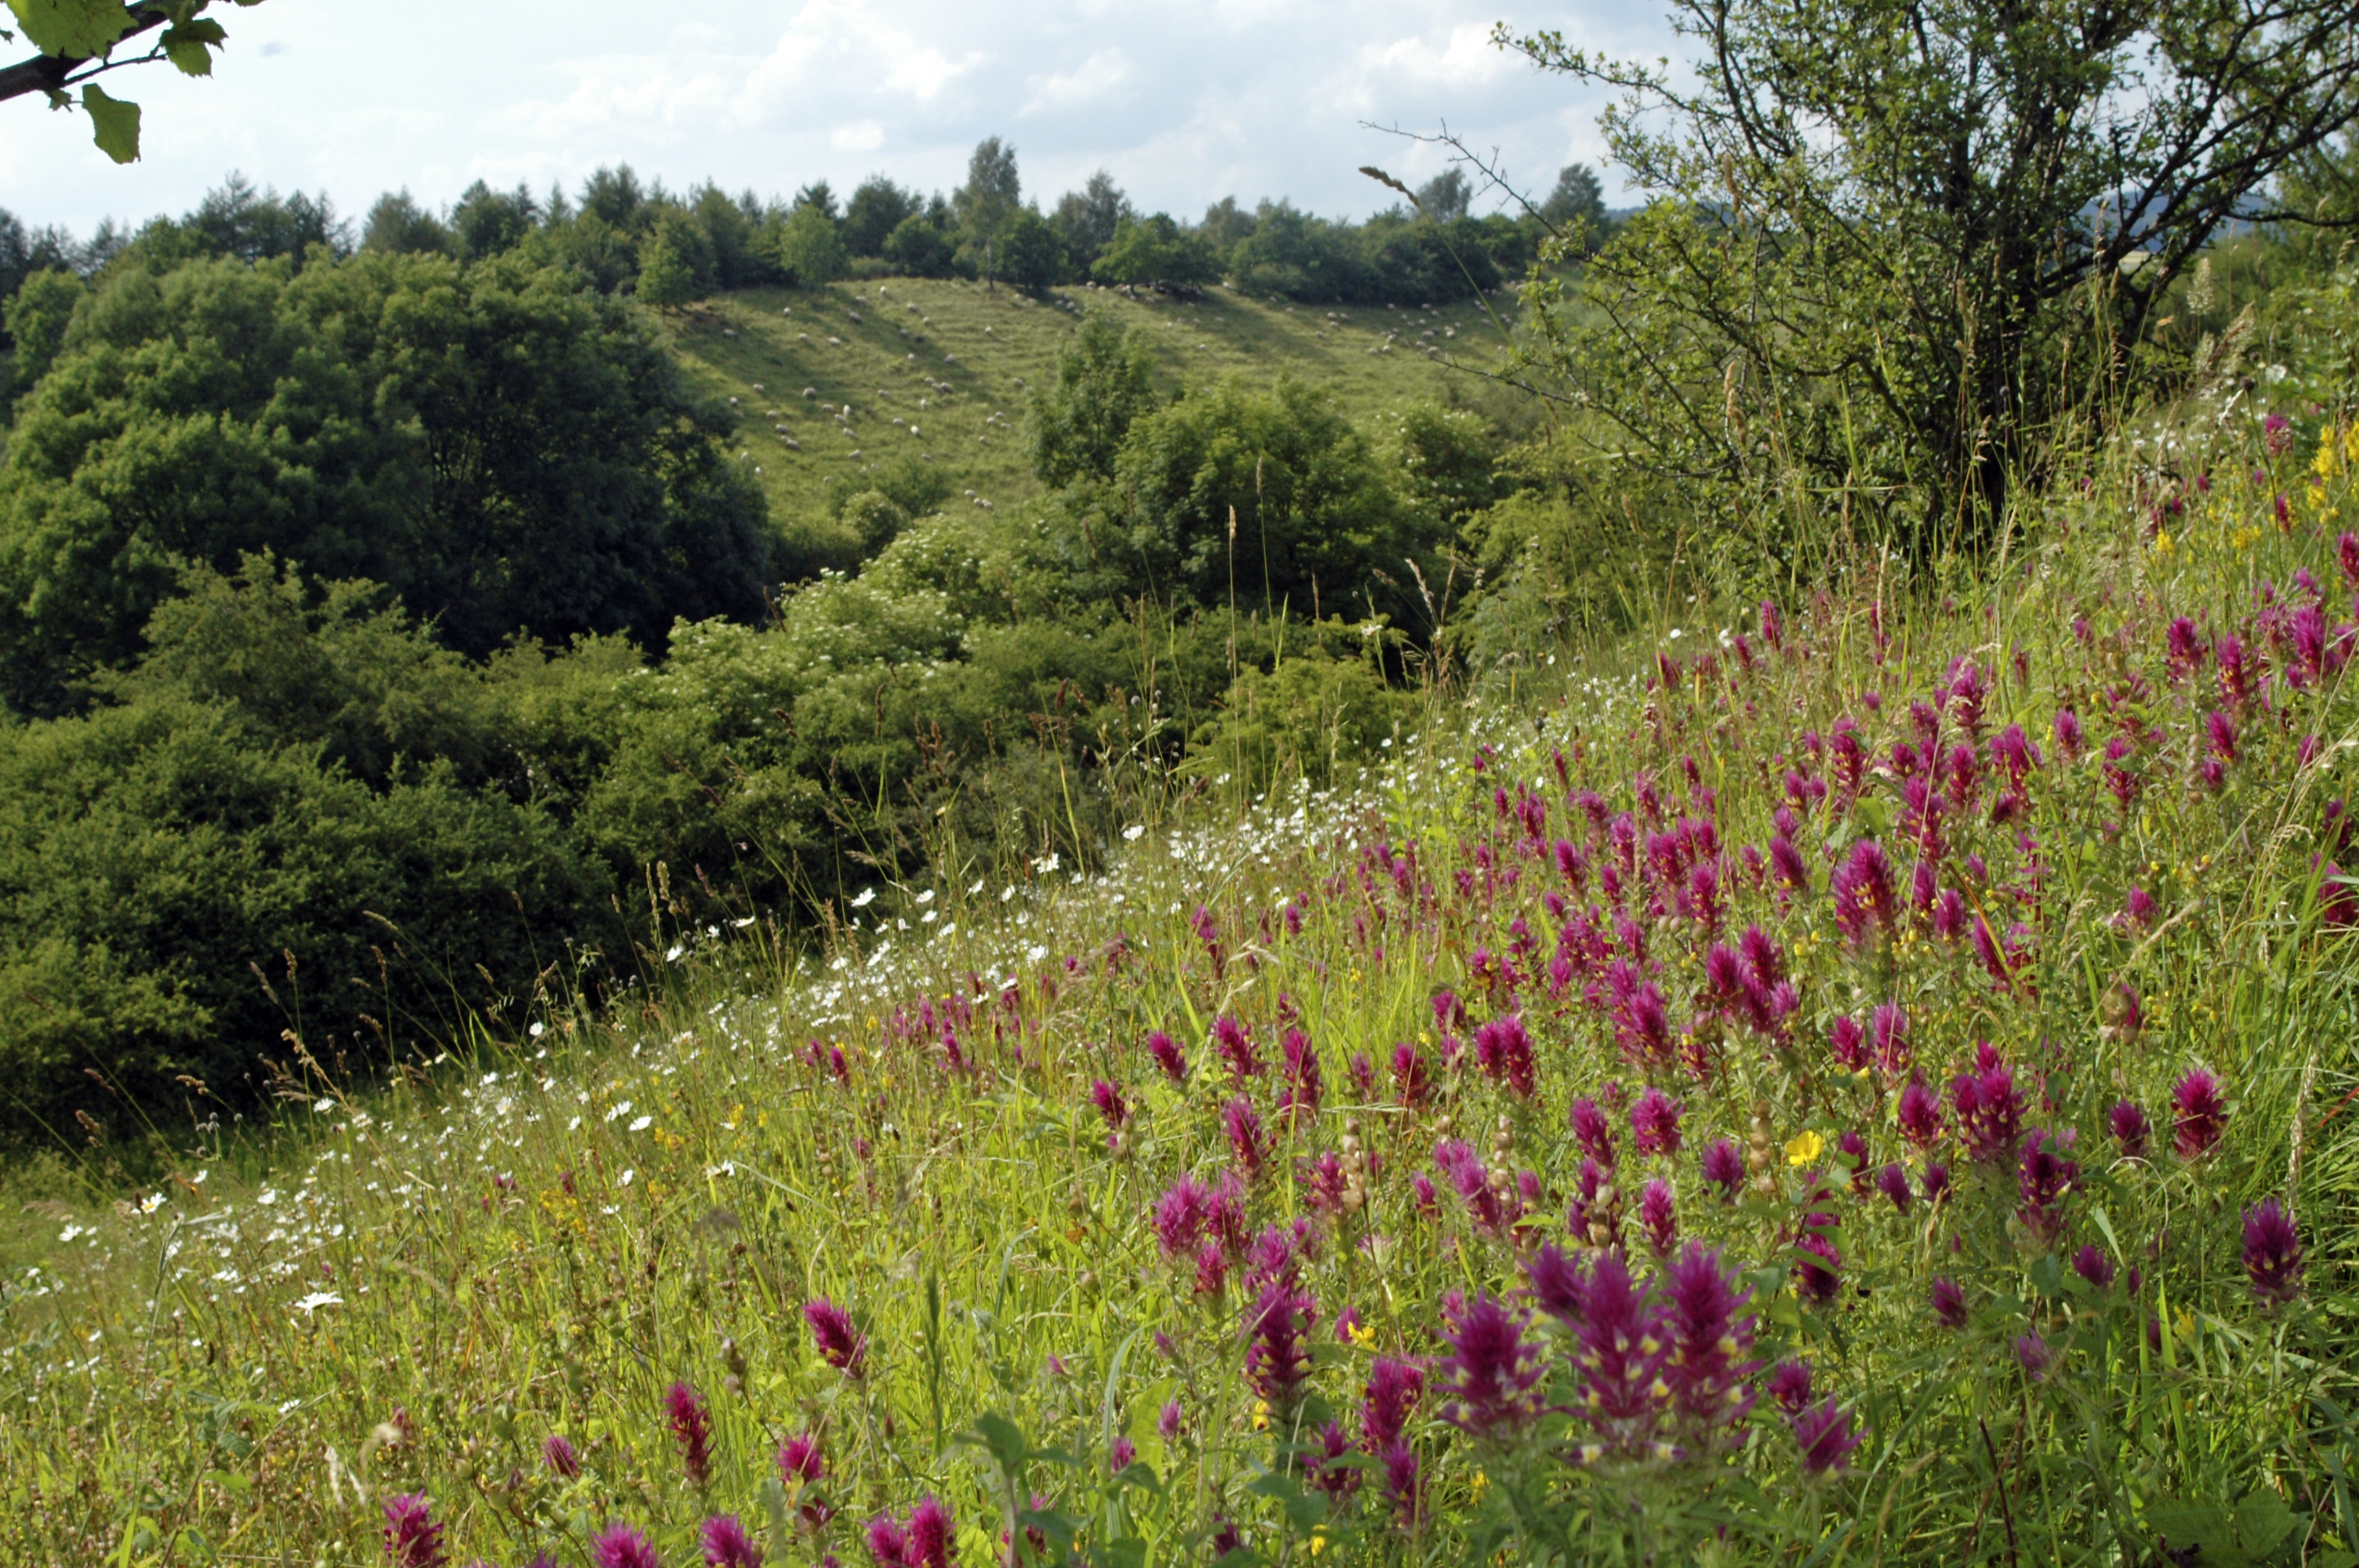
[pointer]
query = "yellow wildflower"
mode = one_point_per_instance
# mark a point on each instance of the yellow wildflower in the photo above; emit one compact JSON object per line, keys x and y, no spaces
{"x":1804,"y":1149}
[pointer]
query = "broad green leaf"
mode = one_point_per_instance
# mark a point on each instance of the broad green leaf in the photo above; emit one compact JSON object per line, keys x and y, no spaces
{"x":114,"y":124}
{"x":79,"y":29}
{"x":190,"y":46}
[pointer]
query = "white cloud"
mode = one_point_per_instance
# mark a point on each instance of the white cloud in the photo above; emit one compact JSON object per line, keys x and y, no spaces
{"x":1095,"y":77}
{"x":1250,"y":98}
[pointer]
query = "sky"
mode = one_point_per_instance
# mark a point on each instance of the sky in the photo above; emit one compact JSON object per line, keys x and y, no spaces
{"x":1184,"y":104}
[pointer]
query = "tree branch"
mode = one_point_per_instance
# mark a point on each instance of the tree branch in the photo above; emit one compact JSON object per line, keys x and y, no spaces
{"x":49,"y":73}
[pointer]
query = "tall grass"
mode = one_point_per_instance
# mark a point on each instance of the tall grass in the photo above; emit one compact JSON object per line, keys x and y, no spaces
{"x":1102,"y":1311}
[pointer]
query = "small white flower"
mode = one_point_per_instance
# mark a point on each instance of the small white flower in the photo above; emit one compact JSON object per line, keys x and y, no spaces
{"x":626,"y":1178}
{"x":1006,"y":893}
{"x":977,"y":889}
{"x":620,"y":1107}
{"x":317,"y":1300}
{"x":1132,"y":834}
{"x":70,"y":1233}
{"x":536,"y":1030}
{"x":1034,"y":954}
{"x":151,"y":1202}
{"x":643,"y":1123}
{"x":324,"y":1106}
{"x":926,"y":897}
{"x":927,"y":918}
{"x":672,"y":955}
{"x":867,"y":896}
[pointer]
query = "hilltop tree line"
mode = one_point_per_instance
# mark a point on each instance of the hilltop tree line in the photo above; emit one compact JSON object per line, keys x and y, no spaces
{"x":623,"y":234}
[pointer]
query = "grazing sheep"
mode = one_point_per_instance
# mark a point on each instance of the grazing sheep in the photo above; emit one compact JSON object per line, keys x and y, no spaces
{"x":791,"y":444}
{"x":810,"y":391}
{"x":853,"y":316}
{"x":758,"y":387}
{"x":834,"y":341}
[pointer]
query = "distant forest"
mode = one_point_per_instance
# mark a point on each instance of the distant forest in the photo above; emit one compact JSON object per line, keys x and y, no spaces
{"x":629,"y":235}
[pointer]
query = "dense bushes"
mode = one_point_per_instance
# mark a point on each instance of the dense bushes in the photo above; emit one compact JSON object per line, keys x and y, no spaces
{"x":507,"y":451}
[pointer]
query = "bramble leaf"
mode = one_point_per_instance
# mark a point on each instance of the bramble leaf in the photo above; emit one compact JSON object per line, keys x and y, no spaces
{"x":190,"y":46}
{"x":79,"y":29}
{"x":114,"y":124}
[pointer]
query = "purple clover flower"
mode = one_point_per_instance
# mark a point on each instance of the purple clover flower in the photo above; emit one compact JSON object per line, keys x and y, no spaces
{"x":621,"y":1546}
{"x":727,"y":1545}
{"x":1723,"y":1167}
{"x":1655,"y":1123}
{"x":2272,"y":1252}
{"x":1826,"y":1438}
{"x":412,"y":1538}
{"x":2201,"y":1114}
{"x":1491,"y":1376}
{"x":844,"y":1347}
{"x":691,"y":1428}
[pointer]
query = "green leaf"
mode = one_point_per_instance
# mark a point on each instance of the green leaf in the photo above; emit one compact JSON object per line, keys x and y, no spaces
{"x":114,"y":124}
{"x":79,"y":29}
{"x":190,"y":46}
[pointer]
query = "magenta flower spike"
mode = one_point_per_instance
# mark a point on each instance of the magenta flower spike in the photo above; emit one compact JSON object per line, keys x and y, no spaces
{"x":691,"y":1428}
{"x":2201,"y":1114}
{"x":1168,"y":1056}
{"x":412,"y":1538}
{"x":1709,"y":1371}
{"x":1789,"y":1387}
{"x":1824,"y":1434}
{"x":1654,"y":1122}
{"x":560,"y":1456}
{"x":1491,"y":1376}
{"x":1659,"y":1216}
{"x":1723,"y":1167}
{"x":1393,"y":1387}
{"x":1949,"y":1304}
{"x":2092,"y":1265}
{"x":2272,"y":1252}
{"x":1593,"y":1131}
{"x":727,"y":1545}
{"x":929,"y":1535}
{"x":1892,"y":1183}
{"x":2128,"y":1125}
{"x":844,"y":1347}
{"x":620,"y":1546}
{"x":1920,"y":1114}
{"x":1625,"y":1345}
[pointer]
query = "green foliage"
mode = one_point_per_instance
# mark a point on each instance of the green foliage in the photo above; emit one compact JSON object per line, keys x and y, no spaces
{"x":1030,"y":254}
{"x":399,"y":225}
{"x":1105,"y":380}
{"x":1155,"y":250}
{"x":1085,"y":221}
{"x":240,"y":222}
{"x":487,"y":222}
{"x":1316,"y":714}
{"x":676,"y":263}
{"x":1913,"y":278}
{"x":502,"y":448}
{"x":276,"y":777}
{"x":808,"y":249}
{"x":877,"y":208}
{"x":1271,"y":495}
{"x":36,"y":319}
{"x":918,"y":247}
{"x":987,"y":203}
{"x":874,"y":519}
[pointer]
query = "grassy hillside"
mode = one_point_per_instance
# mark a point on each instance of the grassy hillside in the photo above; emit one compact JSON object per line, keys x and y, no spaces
{"x":915,"y":337}
{"x":1966,"y":970}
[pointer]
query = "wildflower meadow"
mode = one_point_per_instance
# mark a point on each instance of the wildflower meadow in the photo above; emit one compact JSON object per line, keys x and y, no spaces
{"x":1862,"y":1076}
